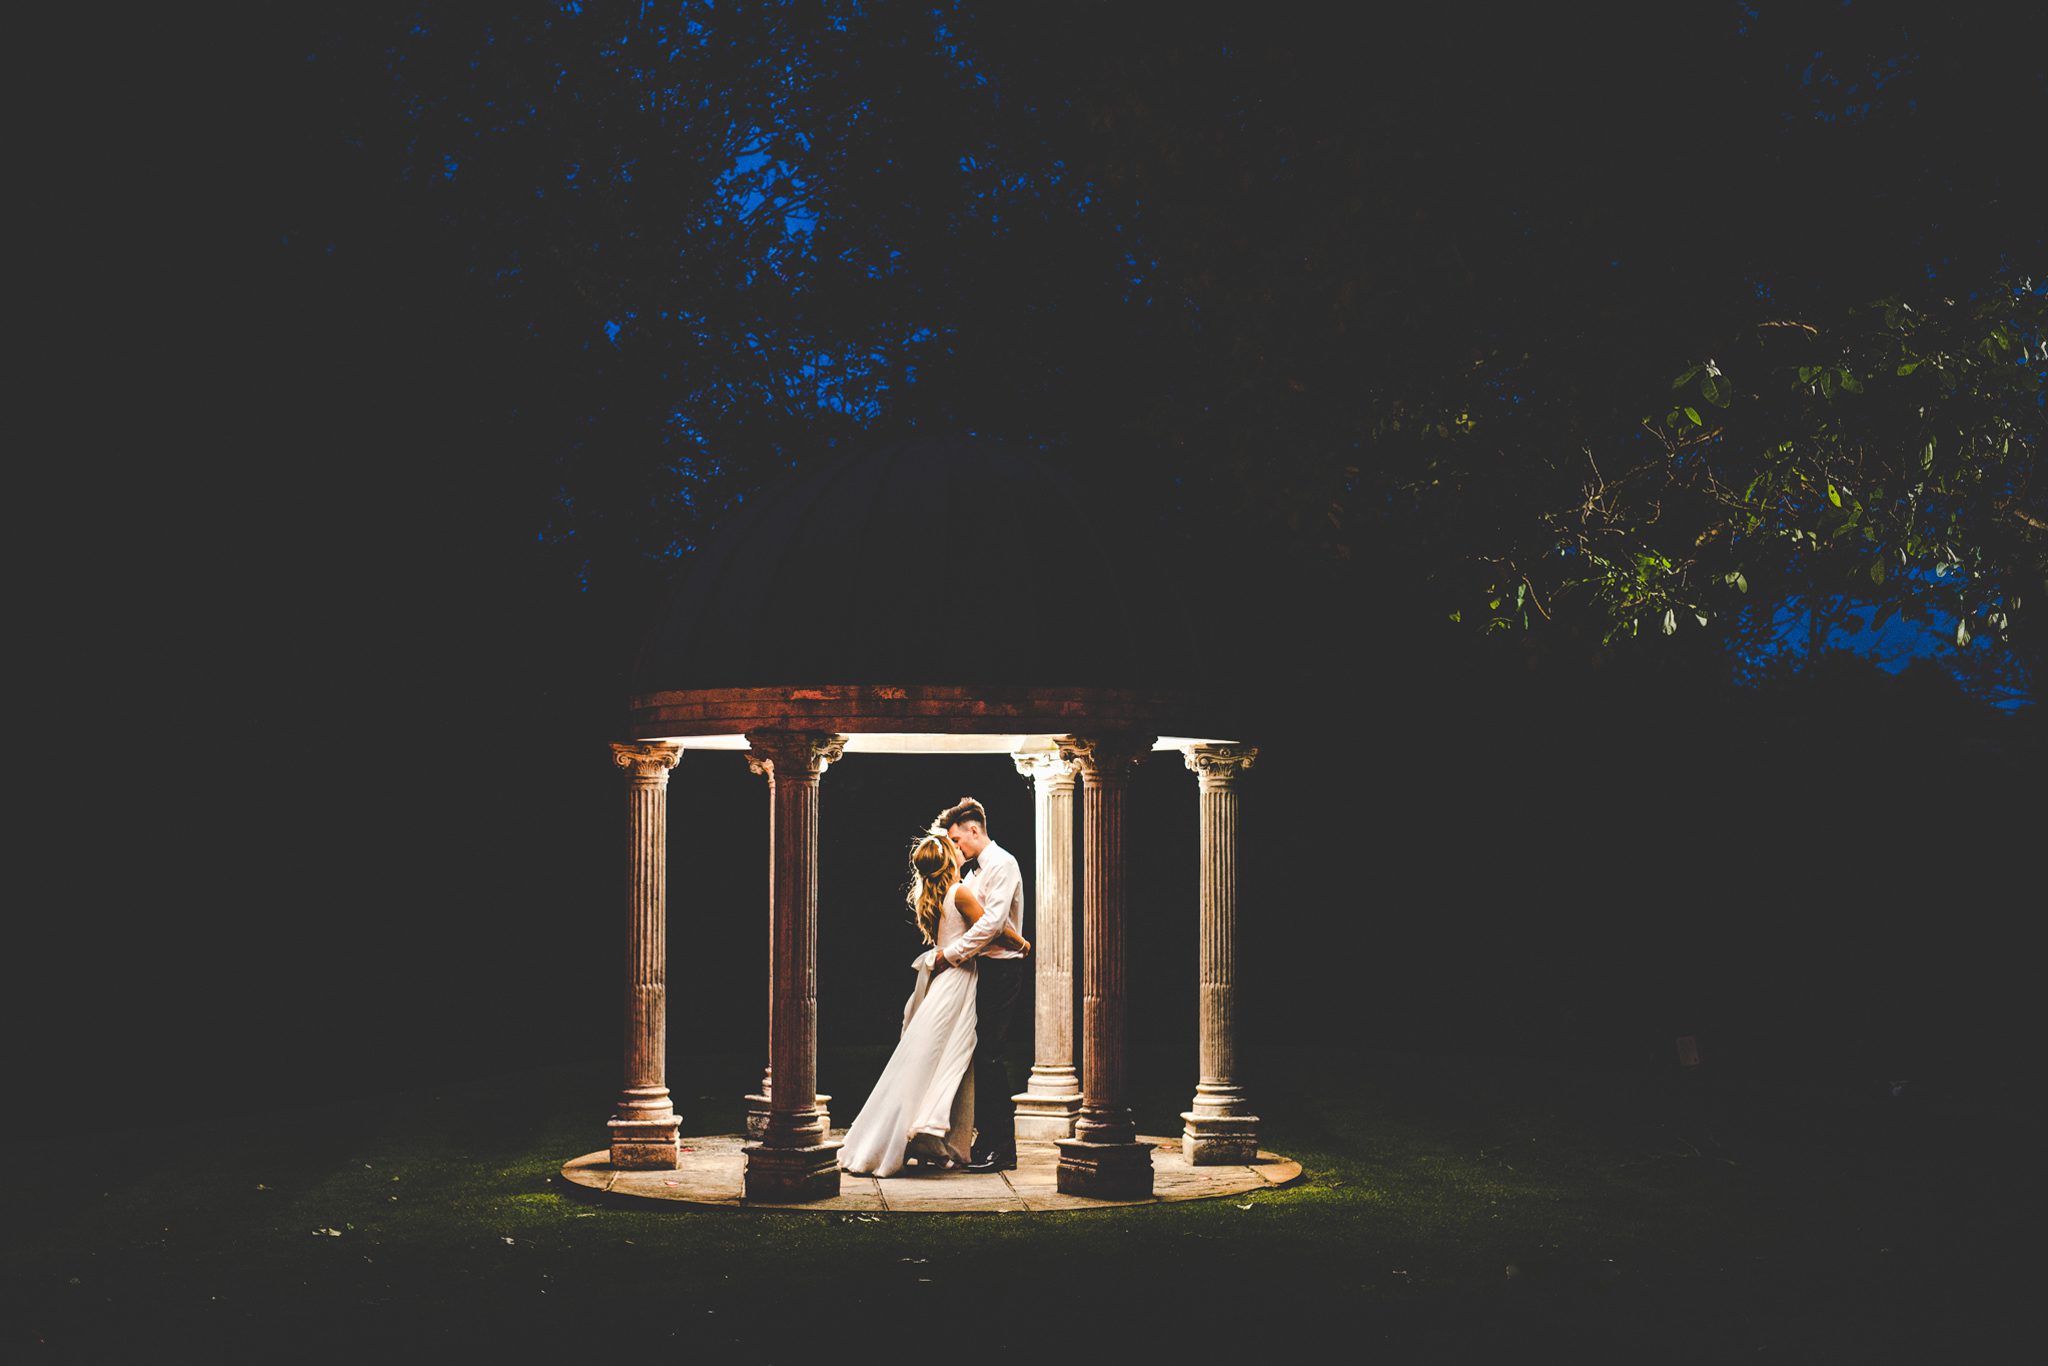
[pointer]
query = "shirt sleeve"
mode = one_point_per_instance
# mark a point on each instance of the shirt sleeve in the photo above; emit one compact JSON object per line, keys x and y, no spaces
{"x":999,"y":888}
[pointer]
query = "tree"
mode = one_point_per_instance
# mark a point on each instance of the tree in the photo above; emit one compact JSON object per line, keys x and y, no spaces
{"x":1391,"y":305}
{"x":1877,"y":463}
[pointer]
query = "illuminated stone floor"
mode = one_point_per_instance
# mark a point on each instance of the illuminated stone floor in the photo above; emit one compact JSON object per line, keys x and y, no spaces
{"x":713,"y":1177}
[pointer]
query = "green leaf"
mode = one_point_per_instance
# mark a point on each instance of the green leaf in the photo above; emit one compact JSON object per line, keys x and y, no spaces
{"x":1877,"y":570}
{"x":1927,"y":455}
{"x":1827,"y":384}
{"x":1694,"y":414}
{"x":1716,"y":390}
{"x":1850,"y":384}
{"x":1685,"y":378}
{"x":1908,"y":367}
{"x":1671,"y":621}
{"x":1741,"y":583}
{"x":1834,"y":495}
{"x":1962,"y":631}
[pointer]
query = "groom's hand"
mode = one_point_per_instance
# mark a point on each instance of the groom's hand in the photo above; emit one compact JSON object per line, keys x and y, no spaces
{"x":939,"y":963}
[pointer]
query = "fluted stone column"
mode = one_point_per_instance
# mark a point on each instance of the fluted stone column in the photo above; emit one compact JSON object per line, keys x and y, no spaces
{"x":1220,"y":1128}
{"x":759,"y":1104}
{"x":644,"y":1125}
{"x":794,"y":1160}
{"x":1103,"y":1159}
{"x":1052,"y":1097}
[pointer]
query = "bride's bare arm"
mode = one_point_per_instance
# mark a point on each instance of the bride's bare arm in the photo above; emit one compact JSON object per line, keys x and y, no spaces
{"x":970,"y":906}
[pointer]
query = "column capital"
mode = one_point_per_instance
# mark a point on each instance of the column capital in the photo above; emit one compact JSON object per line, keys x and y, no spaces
{"x":1105,"y":758}
{"x":650,"y":759}
{"x":793,"y":753}
{"x":1218,"y":765}
{"x":1047,"y":767}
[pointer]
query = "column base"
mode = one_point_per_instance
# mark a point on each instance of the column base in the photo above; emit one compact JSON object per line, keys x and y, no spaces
{"x":646,"y":1144}
{"x":758,"y":1107}
{"x":1043,"y":1117}
{"x":1104,"y":1171}
{"x":786,"y":1176}
{"x":1218,"y":1140}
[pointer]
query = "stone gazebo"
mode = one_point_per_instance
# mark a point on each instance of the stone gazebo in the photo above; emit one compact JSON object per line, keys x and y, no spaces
{"x":951,"y":596}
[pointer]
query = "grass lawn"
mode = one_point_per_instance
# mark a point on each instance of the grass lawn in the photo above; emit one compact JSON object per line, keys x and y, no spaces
{"x":1451,"y":1208}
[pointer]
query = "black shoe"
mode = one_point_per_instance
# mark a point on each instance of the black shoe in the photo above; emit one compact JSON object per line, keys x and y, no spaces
{"x":993,"y":1162}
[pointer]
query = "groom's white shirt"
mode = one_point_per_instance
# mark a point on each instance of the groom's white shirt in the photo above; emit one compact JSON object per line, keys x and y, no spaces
{"x":999,"y":883}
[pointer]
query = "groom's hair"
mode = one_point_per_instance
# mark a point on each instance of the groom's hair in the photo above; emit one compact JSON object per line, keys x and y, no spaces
{"x":960,"y":812}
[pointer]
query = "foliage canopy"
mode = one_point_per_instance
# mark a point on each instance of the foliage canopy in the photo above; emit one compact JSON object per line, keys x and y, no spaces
{"x":1600,"y":325}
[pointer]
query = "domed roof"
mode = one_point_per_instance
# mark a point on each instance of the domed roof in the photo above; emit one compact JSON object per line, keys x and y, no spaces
{"x":966,"y":580}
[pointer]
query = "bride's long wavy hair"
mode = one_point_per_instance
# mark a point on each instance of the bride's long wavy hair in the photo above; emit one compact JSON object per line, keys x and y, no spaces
{"x":931,"y":859}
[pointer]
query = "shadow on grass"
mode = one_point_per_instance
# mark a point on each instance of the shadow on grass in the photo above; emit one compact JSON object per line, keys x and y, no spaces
{"x":1453,"y":1206}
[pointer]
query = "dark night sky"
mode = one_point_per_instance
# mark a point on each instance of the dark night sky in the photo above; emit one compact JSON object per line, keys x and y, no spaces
{"x":277,"y":851}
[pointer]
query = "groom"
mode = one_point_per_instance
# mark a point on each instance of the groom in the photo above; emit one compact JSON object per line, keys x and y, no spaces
{"x":991,"y":872}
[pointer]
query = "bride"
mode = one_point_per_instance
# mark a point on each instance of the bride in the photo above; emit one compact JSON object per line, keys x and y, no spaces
{"x":922,"y":1106}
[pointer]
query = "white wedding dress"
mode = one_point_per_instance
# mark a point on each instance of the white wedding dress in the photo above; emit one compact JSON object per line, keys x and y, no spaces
{"x":923,"y":1103}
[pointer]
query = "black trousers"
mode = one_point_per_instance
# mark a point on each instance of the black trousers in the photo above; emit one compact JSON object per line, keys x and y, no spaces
{"x":996,"y":992}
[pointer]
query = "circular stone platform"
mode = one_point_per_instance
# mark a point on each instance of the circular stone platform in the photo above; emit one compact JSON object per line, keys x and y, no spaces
{"x":713,"y":1175}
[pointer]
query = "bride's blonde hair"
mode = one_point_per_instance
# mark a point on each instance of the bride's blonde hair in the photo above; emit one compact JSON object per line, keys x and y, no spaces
{"x":931,"y":859}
